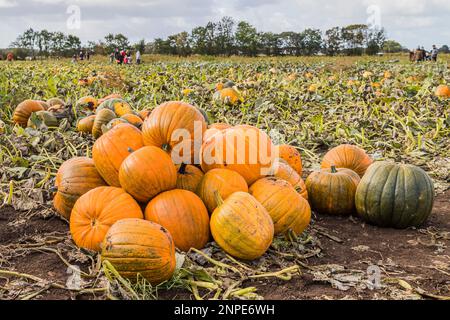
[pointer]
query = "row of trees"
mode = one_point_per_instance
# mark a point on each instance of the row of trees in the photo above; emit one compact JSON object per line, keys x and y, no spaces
{"x":226,"y":37}
{"x":45,"y":43}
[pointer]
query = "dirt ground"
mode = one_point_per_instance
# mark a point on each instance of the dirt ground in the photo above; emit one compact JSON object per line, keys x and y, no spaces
{"x":416,"y":261}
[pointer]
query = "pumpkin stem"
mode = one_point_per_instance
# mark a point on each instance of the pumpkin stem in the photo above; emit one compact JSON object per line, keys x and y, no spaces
{"x":182,"y":169}
{"x":130,"y":150}
{"x":333,"y":169}
{"x":218,"y":198}
{"x":165,"y":147}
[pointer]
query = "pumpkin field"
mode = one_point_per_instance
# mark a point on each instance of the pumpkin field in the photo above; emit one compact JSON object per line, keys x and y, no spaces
{"x":353,"y":204}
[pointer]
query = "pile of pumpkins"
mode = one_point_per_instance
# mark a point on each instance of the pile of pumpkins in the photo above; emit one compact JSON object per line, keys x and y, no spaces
{"x":134,"y":204}
{"x":33,"y":113}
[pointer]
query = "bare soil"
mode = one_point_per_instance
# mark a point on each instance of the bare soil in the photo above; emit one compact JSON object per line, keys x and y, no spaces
{"x":420,"y":257}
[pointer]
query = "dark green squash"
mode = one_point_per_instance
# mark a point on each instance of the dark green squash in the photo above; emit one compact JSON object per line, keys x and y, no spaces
{"x":395,"y":195}
{"x":332,"y":191}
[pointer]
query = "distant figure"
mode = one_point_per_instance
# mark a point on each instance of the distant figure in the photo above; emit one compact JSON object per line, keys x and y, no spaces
{"x":419,"y":55}
{"x":10,"y":57}
{"x":111,"y":57}
{"x":122,"y":56}
{"x":81,"y":55}
{"x":434,"y":53}
{"x":74,"y":58}
{"x":138,"y":57}
{"x":129,"y":57}
{"x":88,"y":55}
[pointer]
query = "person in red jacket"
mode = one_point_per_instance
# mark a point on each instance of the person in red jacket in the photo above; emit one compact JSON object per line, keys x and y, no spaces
{"x":10,"y":57}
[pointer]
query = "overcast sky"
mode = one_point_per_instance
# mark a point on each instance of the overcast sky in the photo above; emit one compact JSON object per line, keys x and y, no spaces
{"x":411,"y":22}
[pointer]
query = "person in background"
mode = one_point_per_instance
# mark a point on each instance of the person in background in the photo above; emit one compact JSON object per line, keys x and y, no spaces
{"x":74,"y":58}
{"x":129,"y":57}
{"x":117,"y":56}
{"x":111,"y":57}
{"x":138,"y":57}
{"x":434,"y":53}
{"x":122,"y":56}
{"x":81,"y":55}
{"x":10,"y":57}
{"x":88,"y":55}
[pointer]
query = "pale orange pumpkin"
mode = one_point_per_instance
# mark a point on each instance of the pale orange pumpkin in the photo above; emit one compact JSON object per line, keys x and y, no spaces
{"x":284,"y":171}
{"x":291,"y":155}
{"x":347,"y":156}
{"x":244,"y":149}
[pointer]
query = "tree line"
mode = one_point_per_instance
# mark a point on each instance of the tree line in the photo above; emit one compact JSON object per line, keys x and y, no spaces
{"x":225,"y":37}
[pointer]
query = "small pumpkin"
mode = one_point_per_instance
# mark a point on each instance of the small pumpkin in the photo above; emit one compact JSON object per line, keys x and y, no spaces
{"x":244,"y":149}
{"x":241,"y":226}
{"x":288,"y":209}
{"x":74,"y":178}
{"x":228,"y":96}
{"x":184,"y":215}
{"x":395,"y":195}
{"x":96,"y":211}
{"x":101,"y":120}
{"x":87,"y":104}
{"x":291,"y":156}
{"x":285,"y":172}
{"x":167,"y":120}
{"x":225,"y":181}
{"x":147,"y":172}
{"x":188,"y":177}
{"x":24,"y":110}
{"x":119,"y":106}
{"x":133,"y":119}
{"x":136,"y":246}
{"x":111,"y":149}
{"x":347,"y":156}
{"x":443,"y":91}
{"x":86,"y":124}
{"x":332,"y":191}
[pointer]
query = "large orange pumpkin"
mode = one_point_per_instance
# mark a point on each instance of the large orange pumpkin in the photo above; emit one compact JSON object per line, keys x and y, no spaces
{"x":284,"y":171}
{"x":188,"y":177}
{"x":225,"y":181}
{"x":147,"y":172}
{"x":96,"y":211}
{"x":288,"y":209}
{"x":241,"y":226}
{"x":291,"y":156}
{"x":24,"y":110}
{"x":347,"y":156}
{"x":171,"y":123}
{"x":75,"y":177}
{"x":183,"y":213}
{"x":111,"y":149}
{"x":136,"y":246}
{"x":332,"y":191}
{"x":244,"y":149}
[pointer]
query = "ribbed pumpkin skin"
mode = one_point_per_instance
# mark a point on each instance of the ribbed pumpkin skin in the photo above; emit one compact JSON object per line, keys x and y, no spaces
{"x":147,"y":172}
{"x":225,"y":181}
{"x":333,"y":193}
{"x":75,"y":177}
{"x":285,"y":172}
{"x":160,"y":125}
{"x":133,"y":119}
{"x":24,"y":110}
{"x":188,"y":177}
{"x":288,"y":209}
{"x":136,"y":246}
{"x":103,"y":117}
{"x":113,"y":148}
{"x":292,"y":157}
{"x":109,"y":97}
{"x":242,"y":227}
{"x":395,"y":195}
{"x":87,"y":103}
{"x":184,"y":215}
{"x":96,"y":211}
{"x":244,"y":149}
{"x":347,"y":156}
{"x":86,"y":124}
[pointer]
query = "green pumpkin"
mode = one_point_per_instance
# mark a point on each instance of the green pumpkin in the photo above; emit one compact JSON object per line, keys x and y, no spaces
{"x":119,"y":106}
{"x":395,"y":195}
